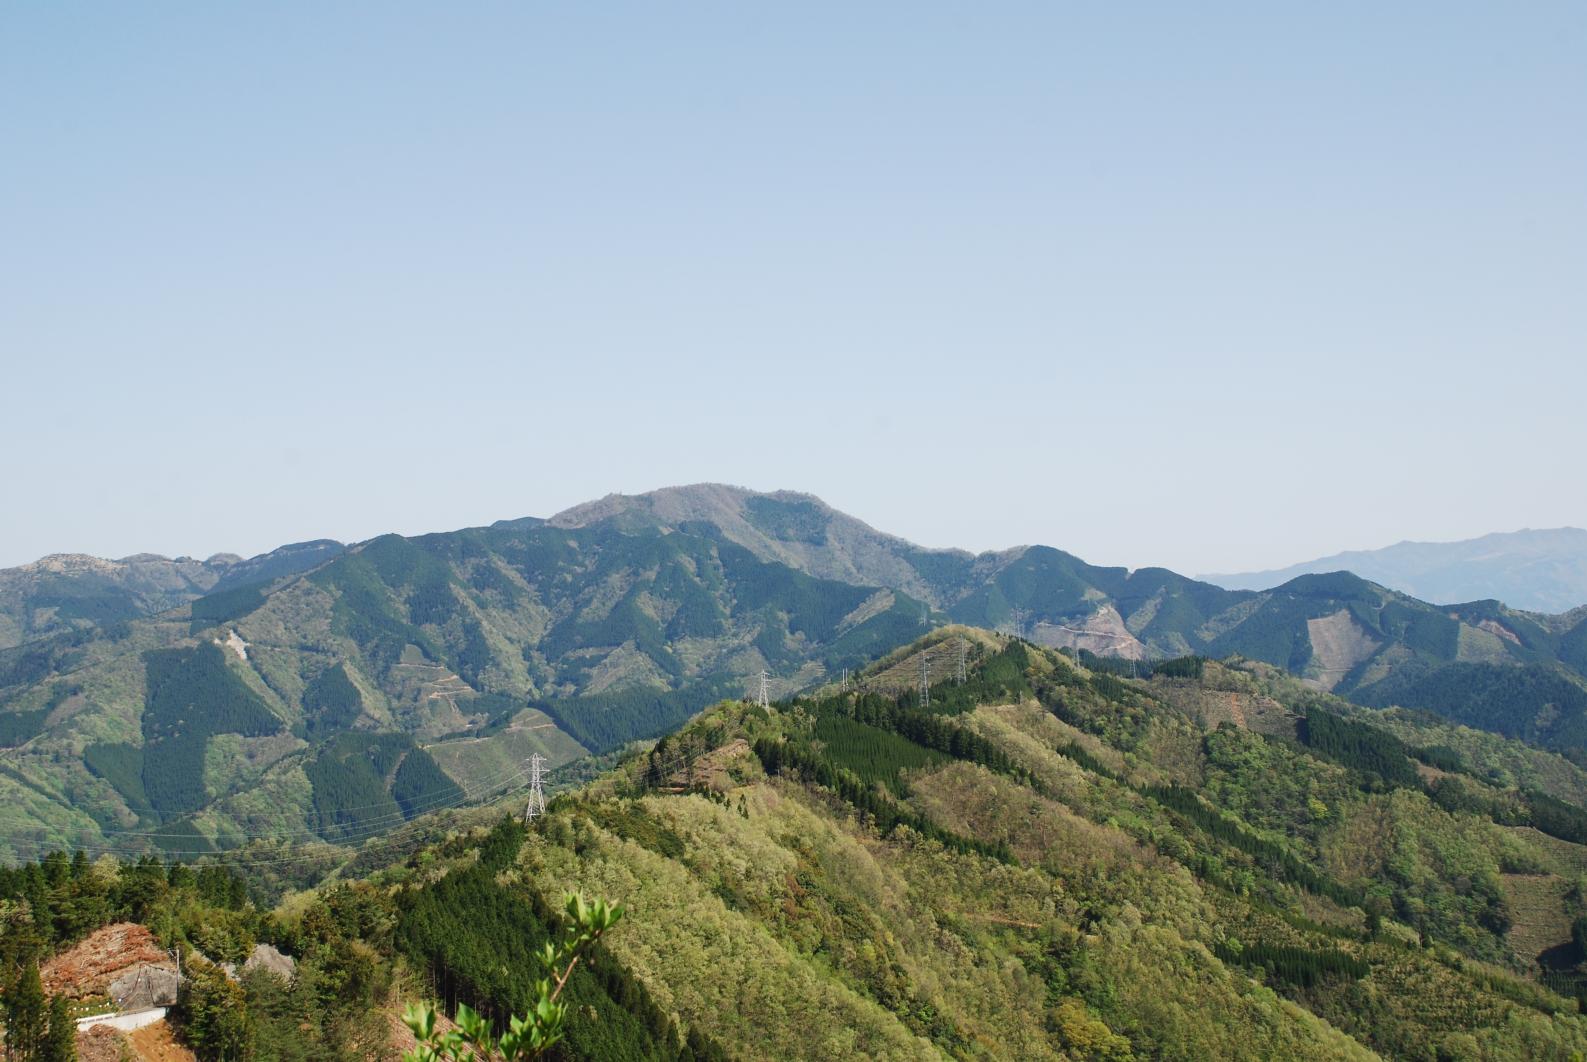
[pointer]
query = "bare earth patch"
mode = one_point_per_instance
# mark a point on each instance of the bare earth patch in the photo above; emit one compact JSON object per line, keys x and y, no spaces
{"x":1338,"y":644}
{"x":402,"y":1039}
{"x":100,"y":1044}
{"x":1212,"y":707}
{"x":235,"y":643}
{"x":1103,"y":633}
{"x":1537,"y":912}
{"x":87,"y":968}
{"x":156,"y":1043}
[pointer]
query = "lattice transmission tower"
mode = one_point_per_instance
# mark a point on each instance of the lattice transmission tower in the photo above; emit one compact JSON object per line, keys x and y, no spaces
{"x":537,"y":793}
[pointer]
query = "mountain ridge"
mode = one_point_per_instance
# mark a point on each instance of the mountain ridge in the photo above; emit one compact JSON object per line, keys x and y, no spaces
{"x":1535,"y":570}
{"x":776,"y":525}
{"x":455,"y":655}
{"x":76,"y":591}
{"x":1035,"y":857}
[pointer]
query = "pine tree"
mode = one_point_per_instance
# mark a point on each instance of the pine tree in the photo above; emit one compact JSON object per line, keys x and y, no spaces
{"x":60,"y":1043}
{"x":25,"y":1015}
{"x":212,"y":1013}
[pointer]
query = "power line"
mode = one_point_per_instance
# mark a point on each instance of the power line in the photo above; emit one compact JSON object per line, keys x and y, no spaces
{"x":76,"y":803}
{"x":361,"y":834}
{"x":367,"y":839}
{"x":537,"y":795}
{"x":227,"y":856}
{"x":370,"y":825}
{"x":391,"y":838}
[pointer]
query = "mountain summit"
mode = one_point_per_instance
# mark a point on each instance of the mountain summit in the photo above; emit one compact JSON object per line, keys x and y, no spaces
{"x":339,"y":692}
{"x":799,"y":530}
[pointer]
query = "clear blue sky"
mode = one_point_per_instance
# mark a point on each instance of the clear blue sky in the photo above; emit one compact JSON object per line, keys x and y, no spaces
{"x":1204,"y":285}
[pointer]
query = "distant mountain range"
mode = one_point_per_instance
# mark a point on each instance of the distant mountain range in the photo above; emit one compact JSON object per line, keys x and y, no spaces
{"x":337,"y":690}
{"x":72,"y":591}
{"x":1540,"y":571}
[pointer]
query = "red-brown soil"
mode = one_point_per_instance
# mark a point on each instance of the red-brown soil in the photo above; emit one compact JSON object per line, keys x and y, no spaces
{"x":87,"y":968}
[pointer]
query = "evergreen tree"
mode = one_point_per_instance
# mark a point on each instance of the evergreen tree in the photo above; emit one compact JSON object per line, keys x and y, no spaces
{"x":213,"y":1015}
{"x":25,"y":1013}
{"x":60,"y":1043}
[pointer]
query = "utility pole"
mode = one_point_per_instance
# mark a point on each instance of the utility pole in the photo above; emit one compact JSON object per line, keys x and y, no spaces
{"x":765,"y":691}
{"x":537,"y":795}
{"x":925,"y":679}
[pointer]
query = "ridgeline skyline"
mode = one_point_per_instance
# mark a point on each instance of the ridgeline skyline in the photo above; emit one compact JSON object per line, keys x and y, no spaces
{"x":1212,"y":290}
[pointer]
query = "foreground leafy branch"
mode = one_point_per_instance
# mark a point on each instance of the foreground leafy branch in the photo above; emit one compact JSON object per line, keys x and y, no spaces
{"x":533,"y":1034}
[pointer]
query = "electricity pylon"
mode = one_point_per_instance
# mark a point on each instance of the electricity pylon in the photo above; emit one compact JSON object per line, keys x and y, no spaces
{"x":537,"y":795}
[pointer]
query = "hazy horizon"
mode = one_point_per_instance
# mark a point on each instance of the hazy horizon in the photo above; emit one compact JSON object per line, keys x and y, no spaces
{"x":1199,"y":574}
{"x":1214,"y":290}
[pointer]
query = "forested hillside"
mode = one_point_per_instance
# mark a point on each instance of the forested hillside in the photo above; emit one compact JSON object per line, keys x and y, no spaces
{"x":1038,"y":859}
{"x":1338,"y":631}
{"x":73,"y":592}
{"x":248,"y":712}
{"x":227,"y":718}
{"x":1055,"y":861}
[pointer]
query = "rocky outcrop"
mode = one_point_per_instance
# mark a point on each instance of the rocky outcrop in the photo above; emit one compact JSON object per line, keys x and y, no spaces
{"x":267,"y":958}
{"x":145,"y":987}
